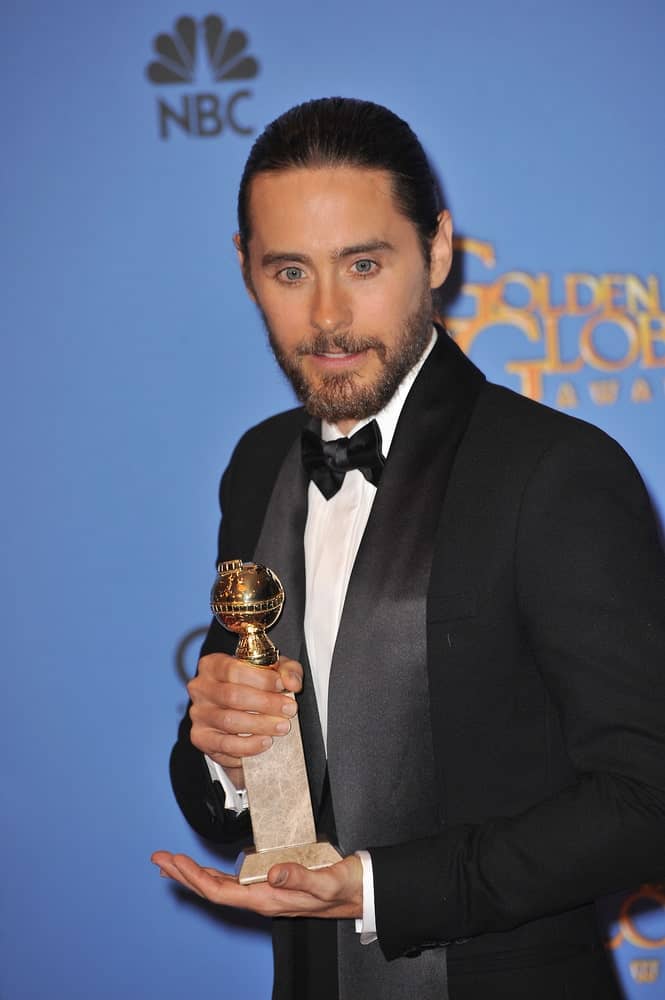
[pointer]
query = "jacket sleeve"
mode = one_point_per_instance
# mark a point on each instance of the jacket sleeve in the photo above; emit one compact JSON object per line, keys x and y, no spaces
{"x":201,"y":799}
{"x":244,"y":494}
{"x":590,"y":584}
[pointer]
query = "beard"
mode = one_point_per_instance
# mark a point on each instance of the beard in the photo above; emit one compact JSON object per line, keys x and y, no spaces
{"x":347,"y":396}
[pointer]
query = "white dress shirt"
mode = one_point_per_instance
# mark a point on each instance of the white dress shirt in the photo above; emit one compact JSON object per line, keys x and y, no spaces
{"x":333,"y":531}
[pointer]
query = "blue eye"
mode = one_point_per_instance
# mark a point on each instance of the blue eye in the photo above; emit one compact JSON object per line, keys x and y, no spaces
{"x":291,"y":273}
{"x":364,"y":266}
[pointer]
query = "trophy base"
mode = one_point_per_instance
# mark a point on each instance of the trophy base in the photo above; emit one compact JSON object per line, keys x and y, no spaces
{"x":253,"y":866}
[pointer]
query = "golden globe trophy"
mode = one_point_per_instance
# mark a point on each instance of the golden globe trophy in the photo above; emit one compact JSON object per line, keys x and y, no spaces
{"x":247,"y":599}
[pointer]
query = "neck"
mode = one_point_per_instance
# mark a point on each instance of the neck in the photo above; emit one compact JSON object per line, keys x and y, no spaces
{"x":346,"y":426}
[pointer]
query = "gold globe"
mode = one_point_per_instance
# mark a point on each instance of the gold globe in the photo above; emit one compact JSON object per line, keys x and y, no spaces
{"x":247,"y":599}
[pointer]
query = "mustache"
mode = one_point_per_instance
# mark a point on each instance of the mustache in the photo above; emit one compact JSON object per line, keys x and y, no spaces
{"x":347,"y":343}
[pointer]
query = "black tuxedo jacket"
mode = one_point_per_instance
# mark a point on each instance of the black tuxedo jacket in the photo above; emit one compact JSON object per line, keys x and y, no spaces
{"x":545,"y":628}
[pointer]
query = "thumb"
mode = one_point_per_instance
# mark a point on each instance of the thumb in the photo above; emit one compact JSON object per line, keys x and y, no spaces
{"x":289,"y":876}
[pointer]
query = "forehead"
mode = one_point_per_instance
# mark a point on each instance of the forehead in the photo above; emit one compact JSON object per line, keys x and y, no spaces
{"x":326,"y":206}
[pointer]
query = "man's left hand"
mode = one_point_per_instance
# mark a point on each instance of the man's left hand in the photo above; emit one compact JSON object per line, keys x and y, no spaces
{"x":291,"y":890}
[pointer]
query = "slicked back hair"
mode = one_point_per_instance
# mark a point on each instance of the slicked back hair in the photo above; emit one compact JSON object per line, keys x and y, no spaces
{"x":342,"y":131}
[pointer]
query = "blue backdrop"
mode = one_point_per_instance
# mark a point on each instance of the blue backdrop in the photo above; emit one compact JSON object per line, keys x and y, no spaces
{"x":133,"y":361}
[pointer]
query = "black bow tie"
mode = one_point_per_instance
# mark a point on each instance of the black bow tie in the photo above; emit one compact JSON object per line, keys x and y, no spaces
{"x":327,"y":462}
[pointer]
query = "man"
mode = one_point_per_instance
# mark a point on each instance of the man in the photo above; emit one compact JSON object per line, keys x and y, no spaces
{"x":478,"y":605}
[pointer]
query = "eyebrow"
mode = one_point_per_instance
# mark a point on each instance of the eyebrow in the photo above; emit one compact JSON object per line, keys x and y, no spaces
{"x":282,"y":256}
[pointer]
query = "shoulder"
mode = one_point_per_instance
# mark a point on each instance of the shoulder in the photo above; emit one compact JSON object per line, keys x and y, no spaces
{"x":249,"y":478}
{"x":515,"y":450}
{"x":283,"y":426}
{"x":259,"y":453}
{"x":511,"y":422}
{"x":269,"y":441}
{"x":554,"y":461}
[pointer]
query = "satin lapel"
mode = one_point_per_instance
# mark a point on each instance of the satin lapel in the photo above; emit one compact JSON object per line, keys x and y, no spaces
{"x":378,"y":696}
{"x":281,"y":547}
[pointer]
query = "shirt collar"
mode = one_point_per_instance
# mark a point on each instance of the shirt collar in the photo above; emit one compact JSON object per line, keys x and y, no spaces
{"x":387,"y":417}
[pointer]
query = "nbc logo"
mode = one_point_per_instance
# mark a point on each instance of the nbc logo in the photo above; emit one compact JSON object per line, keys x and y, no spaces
{"x":177,"y":57}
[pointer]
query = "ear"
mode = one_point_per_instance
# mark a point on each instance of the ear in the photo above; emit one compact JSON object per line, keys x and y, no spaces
{"x":243,"y":260}
{"x":441,"y":257}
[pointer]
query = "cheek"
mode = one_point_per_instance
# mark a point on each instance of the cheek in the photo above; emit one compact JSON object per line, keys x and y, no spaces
{"x":386,"y":305}
{"x":283,"y":311}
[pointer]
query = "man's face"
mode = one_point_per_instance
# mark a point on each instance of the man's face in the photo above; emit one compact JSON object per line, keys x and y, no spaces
{"x":339,"y":276}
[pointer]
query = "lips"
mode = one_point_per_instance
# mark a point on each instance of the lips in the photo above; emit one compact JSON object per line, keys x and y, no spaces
{"x":337,"y":359}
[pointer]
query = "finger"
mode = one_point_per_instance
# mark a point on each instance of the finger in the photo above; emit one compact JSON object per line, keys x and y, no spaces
{"x":232,"y":766}
{"x":219,"y":668}
{"x":233,"y":748}
{"x":207,"y":705}
{"x":214,"y":872}
{"x":159,"y":857}
{"x":321,"y":883}
{"x":211,"y":883}
{"x":169,"y":869}
{"x":290,"y":673}
{"x":234,"y":722}
{"x":337,"y":889}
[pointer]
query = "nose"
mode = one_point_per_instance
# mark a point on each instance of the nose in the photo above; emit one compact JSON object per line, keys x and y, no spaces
{"x":330,"y":308}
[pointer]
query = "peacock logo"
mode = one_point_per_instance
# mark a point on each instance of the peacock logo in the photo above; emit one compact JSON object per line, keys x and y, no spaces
{"x":180,"y":58}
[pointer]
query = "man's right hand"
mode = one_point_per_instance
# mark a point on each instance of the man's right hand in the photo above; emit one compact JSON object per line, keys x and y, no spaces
{"x":237,"y":708}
